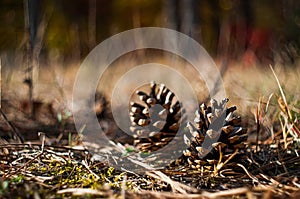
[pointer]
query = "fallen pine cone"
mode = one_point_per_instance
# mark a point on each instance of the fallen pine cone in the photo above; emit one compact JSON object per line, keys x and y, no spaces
{"x":210,"y":146}
{"x":156,"y":119}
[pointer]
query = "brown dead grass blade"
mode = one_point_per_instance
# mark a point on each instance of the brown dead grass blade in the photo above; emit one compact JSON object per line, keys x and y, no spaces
{"x":283,"y":104}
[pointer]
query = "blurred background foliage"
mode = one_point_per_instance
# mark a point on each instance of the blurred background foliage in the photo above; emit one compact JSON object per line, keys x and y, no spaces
{"x":260,"y":30}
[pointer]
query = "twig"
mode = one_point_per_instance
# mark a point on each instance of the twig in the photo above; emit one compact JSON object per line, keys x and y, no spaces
{"x":171,"y":195}
{"x":43,"y":136}
{"x":123,"y":187}
{"x":81,"y":191}
{"x":6,"y":176}
{"x":248,"y":174}
{"x":230,"y":192}
{"x":221,"y":164}
{"x":88,"y":168}
{"x":17,"y":135}
{"x":176,"y":186}
{"x":281,"y":161}
{"x":257,"y":120}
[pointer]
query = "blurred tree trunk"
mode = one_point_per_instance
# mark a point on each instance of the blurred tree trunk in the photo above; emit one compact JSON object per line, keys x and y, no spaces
{"x":34,"y":35}
{"x":170,"y":19}
{"x":29,"y":25}
{"x":187,"y":17}
{"x":92,"y":23}
{"x":77,"y":50}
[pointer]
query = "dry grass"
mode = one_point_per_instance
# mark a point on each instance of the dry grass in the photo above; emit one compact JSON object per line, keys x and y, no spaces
{"x":57,"y":166}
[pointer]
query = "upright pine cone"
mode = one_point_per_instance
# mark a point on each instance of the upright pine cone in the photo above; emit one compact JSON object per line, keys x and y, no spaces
{"x":210,"y":145}
{"x":156,"y":120}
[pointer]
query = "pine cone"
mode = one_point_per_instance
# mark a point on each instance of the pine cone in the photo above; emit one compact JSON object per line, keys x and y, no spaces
{"x":219,"y":143}
{"x":156,"y":121}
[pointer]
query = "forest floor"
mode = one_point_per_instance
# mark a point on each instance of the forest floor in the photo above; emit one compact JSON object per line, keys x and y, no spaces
{"x":52,"y":161}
